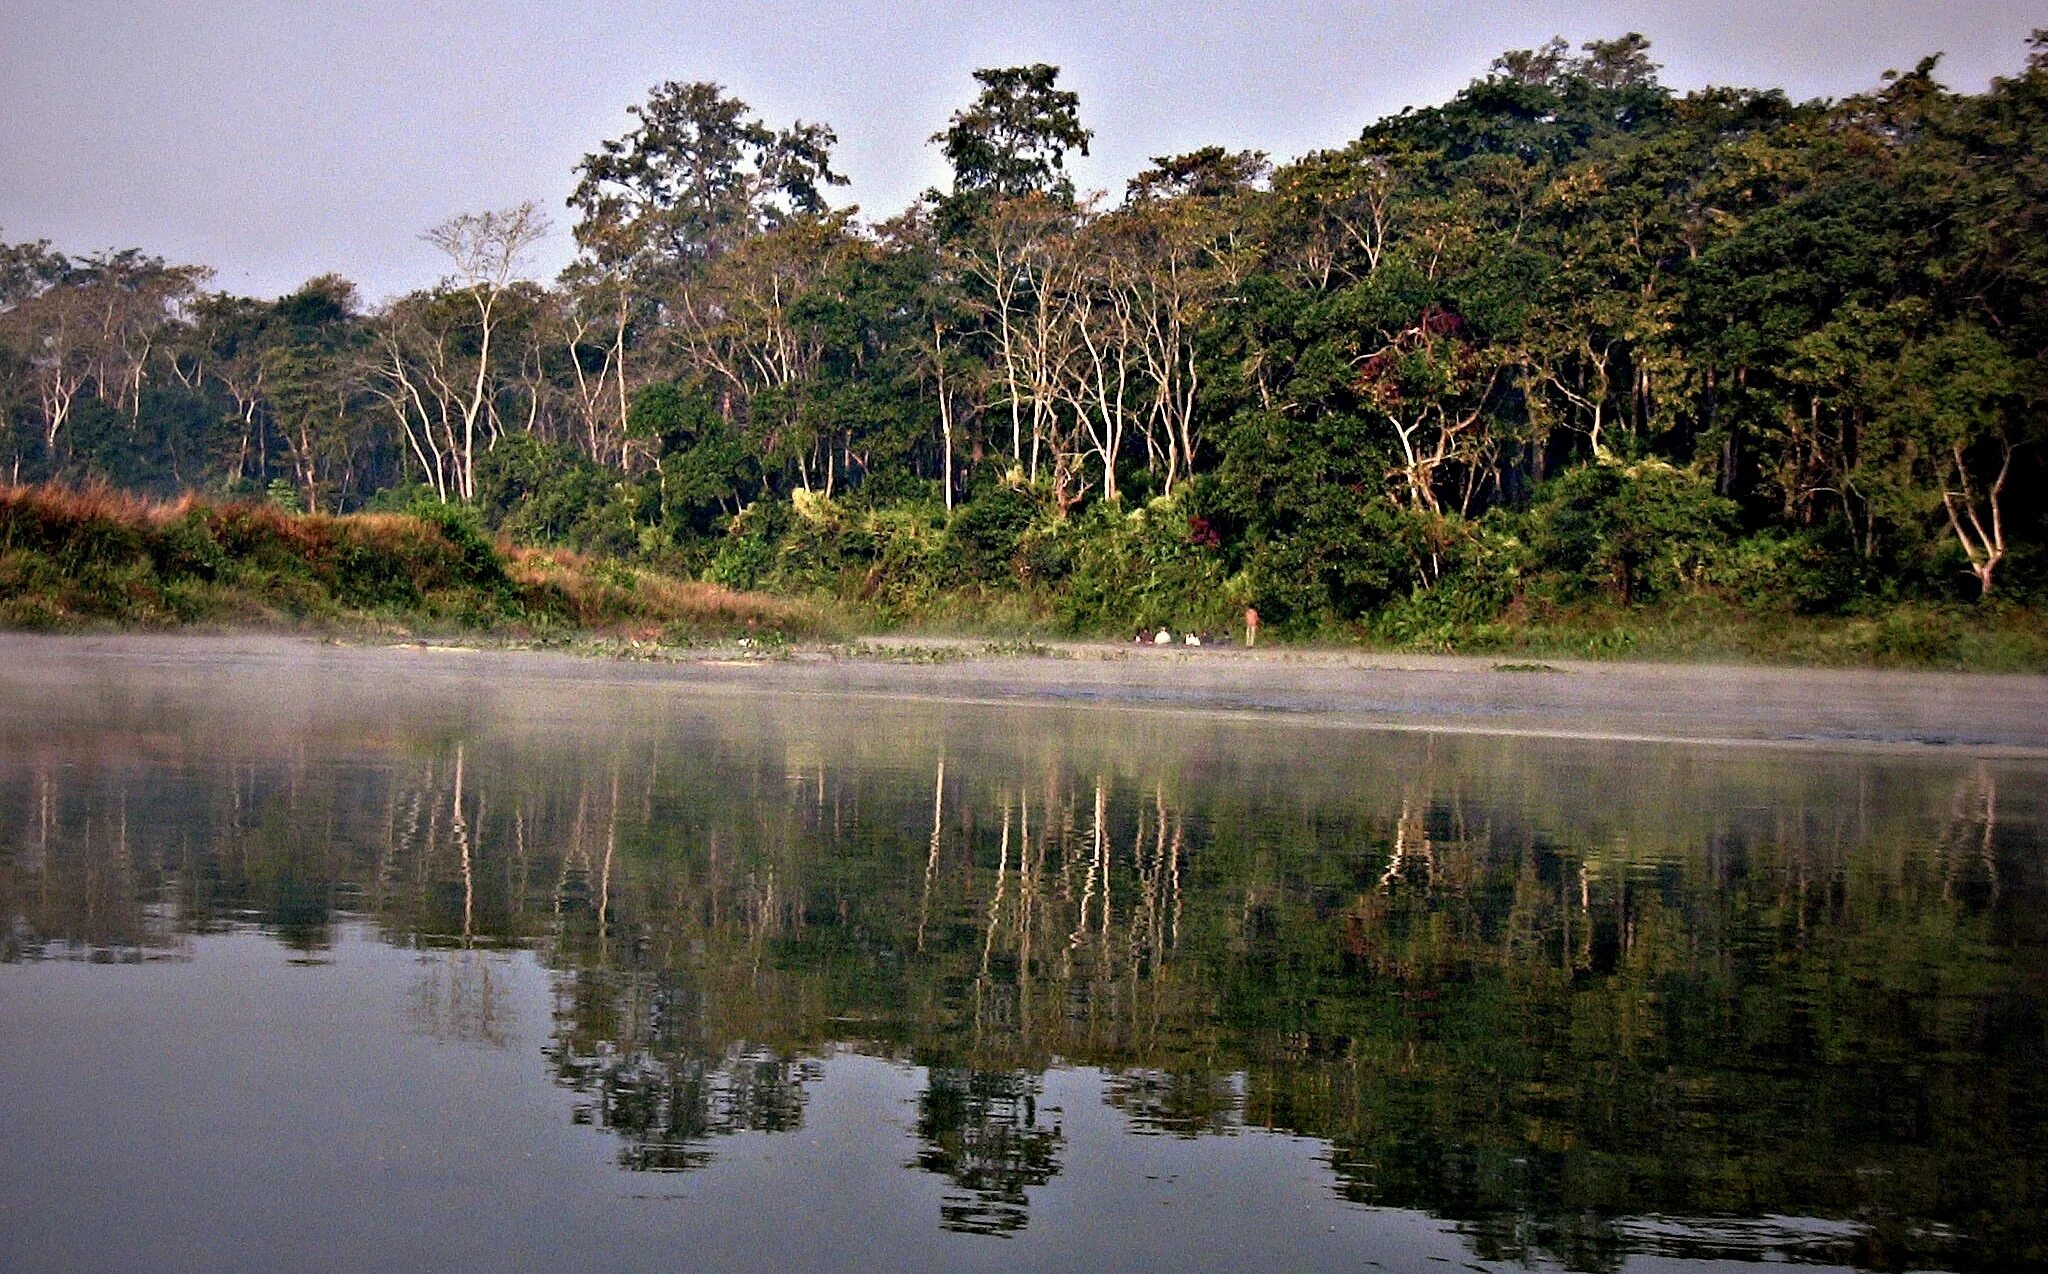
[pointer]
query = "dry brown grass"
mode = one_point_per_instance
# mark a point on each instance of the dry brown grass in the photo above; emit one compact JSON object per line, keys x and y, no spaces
{"x":95,"y":555}
{"x":66,"y":510}
{"x":98,"y":502}
{"x":644,"y":605}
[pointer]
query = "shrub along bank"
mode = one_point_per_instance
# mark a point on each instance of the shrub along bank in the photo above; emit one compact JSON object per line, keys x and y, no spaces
{"x":1643,"y":561}
{"x":1638,"y":560}
{"x":78,"y":558}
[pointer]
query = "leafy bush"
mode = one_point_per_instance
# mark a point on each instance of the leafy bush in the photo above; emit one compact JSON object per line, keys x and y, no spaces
{"x":285,"y":495}
{"x":748,"y":551}
{"x":71,"y":557}
{"x":1476,"y":569}
{"x":1799,"y":570}
{"x":542,"y":494}
{"x":812,"y":553}
{"x":1150,"y":566}
{"x":905,"y":558}
{"x":986,"y":533}
{"x":1363,"y":555}
{"x":1635,"y":533}
{"x":477,"y":562}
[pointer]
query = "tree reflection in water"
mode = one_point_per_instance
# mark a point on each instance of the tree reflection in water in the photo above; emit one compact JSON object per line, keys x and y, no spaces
{"x":1543,"y":990}
{"x":981,"y":1129}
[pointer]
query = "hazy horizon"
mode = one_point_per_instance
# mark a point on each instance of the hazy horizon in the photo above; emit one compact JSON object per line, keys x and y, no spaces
{"x":274,"y":146}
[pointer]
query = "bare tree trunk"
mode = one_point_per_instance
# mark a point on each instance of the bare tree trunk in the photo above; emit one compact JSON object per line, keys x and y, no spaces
{"x":945,"y":407}
{"x":1984,"y":548}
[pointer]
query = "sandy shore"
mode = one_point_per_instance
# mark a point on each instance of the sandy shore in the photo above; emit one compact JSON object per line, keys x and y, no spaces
{"x":1828,"y":708}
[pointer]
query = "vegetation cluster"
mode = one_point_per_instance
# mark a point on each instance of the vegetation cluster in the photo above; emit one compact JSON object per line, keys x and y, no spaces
{"x":72,"y":558}
{"x":1569,"y":361}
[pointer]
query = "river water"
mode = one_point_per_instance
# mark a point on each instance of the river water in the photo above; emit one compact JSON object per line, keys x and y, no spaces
{"x":351,"y":960}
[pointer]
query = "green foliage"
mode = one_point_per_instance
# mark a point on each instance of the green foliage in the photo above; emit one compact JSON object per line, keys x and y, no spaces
{"x":1301,"y":503}
{"x":816,"y":546}
{"x":1565,"y":343}
{"x":284,"y":495}
{"x":748,"y":551}
{"x":903,"y":557}
{"x":1476,"y":571}
{"x":890,"y":560}
{"x":71,"y":558}
{"x":1635,"y":533}
{"x":1152,"y":566}
{"x":187,"y":548}
{"x":698,"y":174}
{"x":537,"y":493}
{"x":987,"y":532}
{"x":1013,"y":140}
{"x":1805,"y":571}
{"x":478,"y":562}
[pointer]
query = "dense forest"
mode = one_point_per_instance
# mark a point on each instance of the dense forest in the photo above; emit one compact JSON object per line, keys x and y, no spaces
{"x":1569,"y":340}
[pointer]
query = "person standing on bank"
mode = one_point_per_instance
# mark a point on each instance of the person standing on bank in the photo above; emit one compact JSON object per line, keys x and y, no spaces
{"x":1251,"y":627}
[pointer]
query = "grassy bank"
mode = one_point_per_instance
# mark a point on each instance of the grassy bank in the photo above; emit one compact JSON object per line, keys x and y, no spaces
{"x":1705,"y":627}
{"x":100,"y":558}
{"x":1695,"y":629}
{"x":97,"y":558}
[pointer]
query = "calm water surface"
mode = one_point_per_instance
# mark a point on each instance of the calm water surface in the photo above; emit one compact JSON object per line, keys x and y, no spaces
{"x":375,"y":963}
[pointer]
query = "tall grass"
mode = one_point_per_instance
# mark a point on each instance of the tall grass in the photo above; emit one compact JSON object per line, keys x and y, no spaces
{"x":94,"y":556}
{"x":599,"y":595}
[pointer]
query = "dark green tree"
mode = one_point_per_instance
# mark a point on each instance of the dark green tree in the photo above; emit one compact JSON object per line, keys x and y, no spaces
{"x":698,"y":174}
{"x":1015,"y":137}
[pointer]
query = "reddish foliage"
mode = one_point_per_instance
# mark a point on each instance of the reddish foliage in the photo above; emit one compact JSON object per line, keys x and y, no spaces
{"x":1438,"y":321}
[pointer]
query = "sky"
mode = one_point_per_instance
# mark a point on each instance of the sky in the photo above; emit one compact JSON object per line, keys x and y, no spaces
{"x":274,"y":141}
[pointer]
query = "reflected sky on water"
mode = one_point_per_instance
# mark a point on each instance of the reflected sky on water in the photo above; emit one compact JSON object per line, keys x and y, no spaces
{"x":430,"y":971}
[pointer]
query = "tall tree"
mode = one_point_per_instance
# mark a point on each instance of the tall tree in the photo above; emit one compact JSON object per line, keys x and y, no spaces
{"x":1013,"y":140}
{"x":90,"y":324}
{"x":487,"y":250}
{"x":311,"y":383}
{"x":696,"y":176}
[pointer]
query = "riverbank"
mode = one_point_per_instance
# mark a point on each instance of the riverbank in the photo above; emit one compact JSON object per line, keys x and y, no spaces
{"x":100,"y":560}
{"x":1649,"y":702}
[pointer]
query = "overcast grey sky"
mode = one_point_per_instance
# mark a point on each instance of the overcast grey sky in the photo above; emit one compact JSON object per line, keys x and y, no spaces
{"x":278,"y":140}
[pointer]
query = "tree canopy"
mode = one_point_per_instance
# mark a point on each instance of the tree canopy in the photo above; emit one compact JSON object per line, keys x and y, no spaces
{"x":1567,"y":338}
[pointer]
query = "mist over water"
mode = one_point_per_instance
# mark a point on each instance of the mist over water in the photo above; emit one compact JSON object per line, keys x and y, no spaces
{"x":407,"y":966}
